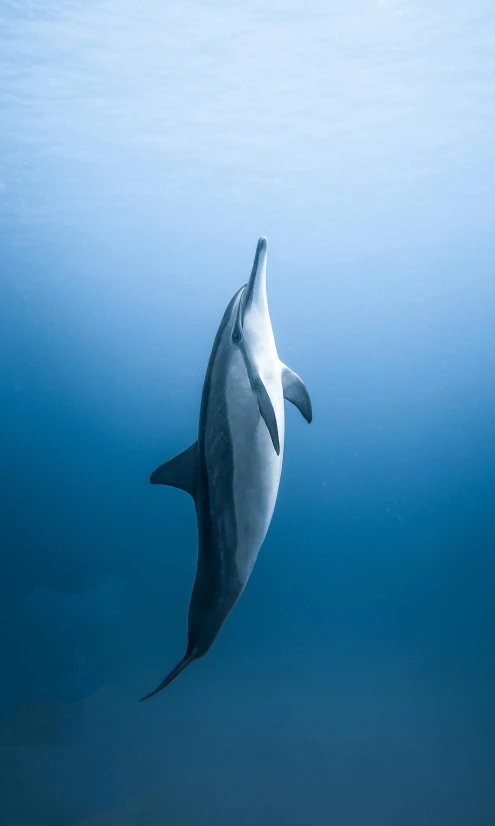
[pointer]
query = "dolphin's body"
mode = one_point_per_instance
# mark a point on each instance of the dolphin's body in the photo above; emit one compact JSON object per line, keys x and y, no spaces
{"x":233,"y":470}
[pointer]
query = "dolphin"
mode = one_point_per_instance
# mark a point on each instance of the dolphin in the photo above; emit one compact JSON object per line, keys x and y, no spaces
{"x":233,"y":470}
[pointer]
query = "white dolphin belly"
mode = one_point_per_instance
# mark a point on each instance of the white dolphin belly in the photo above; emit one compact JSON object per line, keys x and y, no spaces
{"x":256,"y":465}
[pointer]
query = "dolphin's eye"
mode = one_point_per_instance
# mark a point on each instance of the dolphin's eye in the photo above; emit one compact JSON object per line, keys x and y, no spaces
{"x":236,"y":336}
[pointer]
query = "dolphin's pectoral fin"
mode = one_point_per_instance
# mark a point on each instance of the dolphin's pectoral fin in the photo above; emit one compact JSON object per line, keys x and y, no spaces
{"x":179,"y":472}
{"x":295,"y":392}
{"x":267,"y":411}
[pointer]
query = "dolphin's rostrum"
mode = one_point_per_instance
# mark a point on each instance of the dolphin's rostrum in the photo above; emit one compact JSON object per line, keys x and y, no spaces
{"x":233,"y":470}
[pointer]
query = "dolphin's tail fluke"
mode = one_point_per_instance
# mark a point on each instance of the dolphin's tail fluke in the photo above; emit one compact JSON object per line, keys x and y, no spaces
{"x":189,"y":658}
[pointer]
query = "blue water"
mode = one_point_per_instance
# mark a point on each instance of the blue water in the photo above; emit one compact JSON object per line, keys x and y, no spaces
{"x":144,"y":148}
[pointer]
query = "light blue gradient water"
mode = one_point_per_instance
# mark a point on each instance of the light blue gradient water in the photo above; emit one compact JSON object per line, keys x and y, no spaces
{"x":144,"y":148}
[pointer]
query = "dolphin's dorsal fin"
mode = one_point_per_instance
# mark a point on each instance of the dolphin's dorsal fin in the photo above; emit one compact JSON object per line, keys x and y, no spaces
{"x":267,"y":412}
{"x":295,"y":392}
{"x":179,"y":472}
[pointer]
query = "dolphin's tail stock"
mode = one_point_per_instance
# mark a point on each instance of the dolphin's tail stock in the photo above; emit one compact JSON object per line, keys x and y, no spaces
{"x":186,"y":660}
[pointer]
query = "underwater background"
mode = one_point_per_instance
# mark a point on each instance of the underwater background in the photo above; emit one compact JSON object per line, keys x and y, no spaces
{"x":144,"y":148}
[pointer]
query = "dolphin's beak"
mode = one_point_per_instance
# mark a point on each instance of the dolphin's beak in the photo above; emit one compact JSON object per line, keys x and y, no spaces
{"x":256,"y":289}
